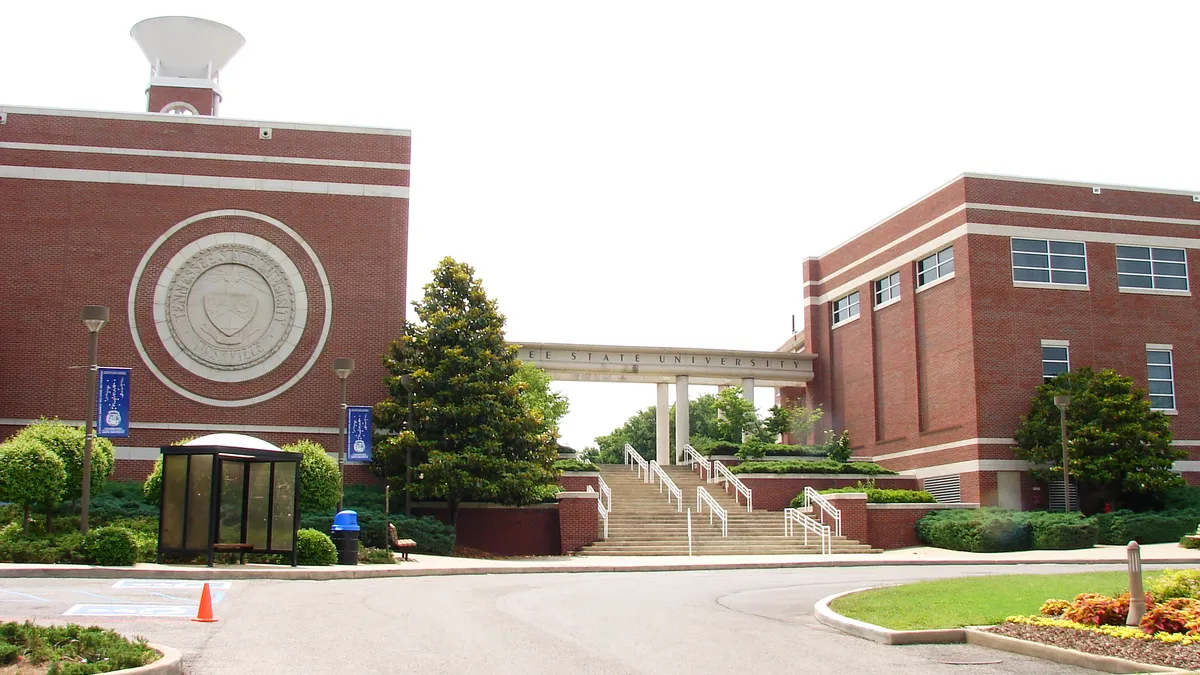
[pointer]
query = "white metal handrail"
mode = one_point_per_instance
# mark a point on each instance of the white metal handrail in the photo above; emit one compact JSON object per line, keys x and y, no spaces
{"x":605,"y":492}
{"x":792,"y":516}
{"x":635,"y":460}
{"x":714,"y":509}
{"x":664,"y":479}
{"x":720,"y":473}
{"x":691,"y":456}
{"x":603,"y":511}
{"x":689,"y":531}
{"x":812,"y":497}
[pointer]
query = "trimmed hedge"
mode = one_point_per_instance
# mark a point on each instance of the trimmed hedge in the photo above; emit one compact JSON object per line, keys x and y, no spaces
{"x":110,"y":546}
{"x":877,"y":495}
{"x":709,"y":447}
{"x":574,"y":465}
{"x":1149,"y":527}
{"x":813,"y":466}
{"x":994,"y":530}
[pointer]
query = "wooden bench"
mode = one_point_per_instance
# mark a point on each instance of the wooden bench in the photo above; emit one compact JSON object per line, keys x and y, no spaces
{"x":240,"y":548}
{"x":401,"y":545}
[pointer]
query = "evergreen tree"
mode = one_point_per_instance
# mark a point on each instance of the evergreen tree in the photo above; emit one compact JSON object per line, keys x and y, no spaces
{"x":479,"y":441}
{"x":1119,"y":449}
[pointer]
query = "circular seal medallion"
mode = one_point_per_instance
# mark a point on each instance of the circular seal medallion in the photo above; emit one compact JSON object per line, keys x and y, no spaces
{"x":230,"y":306}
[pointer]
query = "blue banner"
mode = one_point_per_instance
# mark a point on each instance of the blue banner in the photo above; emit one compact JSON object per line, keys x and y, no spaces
{"x":358,"y":433}
{"x":112,"y":402}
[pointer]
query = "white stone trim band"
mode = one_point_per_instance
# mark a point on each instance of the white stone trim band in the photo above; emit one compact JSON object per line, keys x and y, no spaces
{"x":945,"y":446}
{"x":185,"y":426}
{"x":216,"y":182}
{"x":219,"y":156}
{"x":201,"y":120}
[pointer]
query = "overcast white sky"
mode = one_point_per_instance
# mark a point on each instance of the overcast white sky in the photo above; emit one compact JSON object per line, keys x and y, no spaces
{"x":652,"y":173}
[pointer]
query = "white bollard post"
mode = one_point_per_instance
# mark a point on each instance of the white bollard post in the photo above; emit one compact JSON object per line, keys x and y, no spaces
{"x":1137,"y":597}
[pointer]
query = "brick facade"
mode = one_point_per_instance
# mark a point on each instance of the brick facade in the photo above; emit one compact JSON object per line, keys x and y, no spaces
{"x":85,"y":196}
{"x":578,"y":520}
{"x":935,"y":383}
{"x":510,"y":531}
{"x":892,"y":526}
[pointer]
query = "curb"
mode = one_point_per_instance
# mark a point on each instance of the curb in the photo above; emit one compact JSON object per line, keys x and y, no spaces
{"x":887,"y":636}
{"x":232,"y":573}
{"x":171,"y":663}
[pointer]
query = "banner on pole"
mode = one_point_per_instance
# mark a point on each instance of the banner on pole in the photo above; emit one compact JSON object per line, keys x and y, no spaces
{"x":358,"y":433}
{"x":112,"y":402}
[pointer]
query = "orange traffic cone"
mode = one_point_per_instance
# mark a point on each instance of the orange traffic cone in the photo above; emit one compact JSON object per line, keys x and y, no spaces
{"x":205,"y":614}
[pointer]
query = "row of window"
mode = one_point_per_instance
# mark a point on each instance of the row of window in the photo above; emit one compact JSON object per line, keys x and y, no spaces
{"x":1065,"y":262}
{"x":1160,"y":371}
{"x":937,"y":266}
{"x":1042,"y":261}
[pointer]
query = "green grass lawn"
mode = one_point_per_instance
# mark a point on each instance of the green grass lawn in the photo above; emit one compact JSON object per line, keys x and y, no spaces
{"x":972,"y":601}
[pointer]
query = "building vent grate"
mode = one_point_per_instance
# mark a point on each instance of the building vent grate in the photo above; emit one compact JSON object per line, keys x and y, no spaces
{"x":1056,"y":496}
{"x":945,"y":489}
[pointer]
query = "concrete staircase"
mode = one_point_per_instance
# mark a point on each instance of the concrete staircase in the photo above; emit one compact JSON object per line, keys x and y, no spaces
{"x":642,"y":523}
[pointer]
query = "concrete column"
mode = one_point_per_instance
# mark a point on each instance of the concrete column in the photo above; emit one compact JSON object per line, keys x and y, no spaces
{"x":682,"y":437}
{"x":663,"y":424}
{"x":748,"y":394}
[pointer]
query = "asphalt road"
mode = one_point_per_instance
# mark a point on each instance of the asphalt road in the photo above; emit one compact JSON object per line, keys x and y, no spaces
{"x":653,"y":623}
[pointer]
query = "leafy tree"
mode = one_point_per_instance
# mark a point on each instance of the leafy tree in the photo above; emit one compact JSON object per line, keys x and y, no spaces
{"x":152,"y":486}
{"x":320,"y":479}
{"x":737,"y":417}
{"x":534,"y":385}
{"x":30,"y":475}
{"x":794,"y":422}
{"x":638,"y":431}
{"x":479,"y":439}
{"x":67,"y":442}
{"x":1118,"y":448}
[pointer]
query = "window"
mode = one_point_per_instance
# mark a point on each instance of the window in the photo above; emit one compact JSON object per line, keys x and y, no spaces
{"x":887,"y":289}
{"x":1049,"y":262}
{"x":845,"y":308}
{"x":936,"y":266}
{"x":1157,"y":268}
{"x":1160,"y":376}
{"x":1055,"y":359}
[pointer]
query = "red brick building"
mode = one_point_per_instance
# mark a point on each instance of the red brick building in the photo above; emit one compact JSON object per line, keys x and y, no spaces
{"x":237,"y":257}
{"x":934,"y":327}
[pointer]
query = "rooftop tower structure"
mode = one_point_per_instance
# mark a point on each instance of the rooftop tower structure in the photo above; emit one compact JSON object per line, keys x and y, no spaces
{"x":186,"y":57}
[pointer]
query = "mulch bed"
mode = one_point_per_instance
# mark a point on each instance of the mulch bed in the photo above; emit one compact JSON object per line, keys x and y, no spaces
{"x":1141,"y":651}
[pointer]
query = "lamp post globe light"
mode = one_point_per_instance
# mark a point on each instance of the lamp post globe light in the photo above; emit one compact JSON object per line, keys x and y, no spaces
{"x":94,"y":317}
{"x":342,"y":368}
{"x":407,"y":382}
{"x":1062,"y":402}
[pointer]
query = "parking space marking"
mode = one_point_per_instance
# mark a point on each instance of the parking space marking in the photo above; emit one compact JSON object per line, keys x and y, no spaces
{"x":172,"y":597}
{"x":24,"y":595}
{"x":172,"y":584}
{"x":97,"y":595}
{"x":180,"y":611}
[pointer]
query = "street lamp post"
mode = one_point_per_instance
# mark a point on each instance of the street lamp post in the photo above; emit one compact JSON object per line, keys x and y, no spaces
{"x":407,"y":382}
{"x":94,"y":317}
{"x":343,"y":368}
{"x":1062,"y":402}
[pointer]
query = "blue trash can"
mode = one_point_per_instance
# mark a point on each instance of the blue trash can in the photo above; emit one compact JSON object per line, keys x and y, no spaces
{"x":345,"y":537}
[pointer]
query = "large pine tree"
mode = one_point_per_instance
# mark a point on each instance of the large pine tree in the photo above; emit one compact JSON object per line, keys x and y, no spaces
{"x":478,"y":440}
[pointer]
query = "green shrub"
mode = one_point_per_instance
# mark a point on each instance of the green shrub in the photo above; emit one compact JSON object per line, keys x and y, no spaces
{"x":757,"y":449}
{"x":1062,"y":531}
{"x":877,"y":495}
{"x":1185,"y":497}
{"x":1187,"y":541}
{"x":812,"y":466}
{"x":110,"y":546}
{"x":837,"y":446}
{"x":152,"y":487}
{"x":72,"y":649}
{"x":67,"y":442}
{"x":30,"y":475}
{"x":314,"y":547}
{"x":976,"y":530}
{"x":66,"y":548}
{"x":1175,"y":584}
{"x":711,"y":446}
{"x":1150,"y":527}
{"x":376,"y":556}
{"x":120,"y":500}
{"x":320,"y":478}
{"x":574,"y":465}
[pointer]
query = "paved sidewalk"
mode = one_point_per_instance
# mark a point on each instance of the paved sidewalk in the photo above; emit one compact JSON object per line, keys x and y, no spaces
{"x":431,"y":565}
